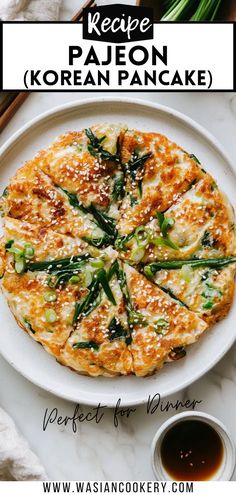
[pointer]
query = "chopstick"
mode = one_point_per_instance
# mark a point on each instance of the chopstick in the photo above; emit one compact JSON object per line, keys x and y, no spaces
{"x":79,"y":15}
{"x":12,"y":108}
{"x":13,"y":101}
{"x":7,"y":101}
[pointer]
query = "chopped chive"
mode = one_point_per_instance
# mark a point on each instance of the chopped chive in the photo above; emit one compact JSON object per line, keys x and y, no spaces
{"x":122,"y":241}
{"x":95,"y":147}
{"x":166,"y":225}
{"x":102,"y":278}
{"x":208,"y":305}
{"x":98,"y":242}
{"x":52,"y":265}
{"x":5,"y":192}
{"x":161,"y":241}
{"x":86,"y":345}
{"x":118,"y":187}
{"x":186,"y":273}
{"x":195,"y":158}
{"x":216,"y":263}
{"x":136,"y":164}
{"x":134,"y":317}
{"x":9,"y":244}
{"x":171,"y":293}
{"x":207,"y":239}
{"x":28,"y":325}
{"x":116,"y":330}
{"x":73,"y":200}
{"x":141,"y":235}
{"x":106,"y":223}
{"x":89,"y":303}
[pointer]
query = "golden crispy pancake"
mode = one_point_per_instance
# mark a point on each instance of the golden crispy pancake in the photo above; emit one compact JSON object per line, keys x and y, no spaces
{"x":200,"y":223}
{"x":208,"y":292}
{"x":167,"y":172}
{"x":166,"y":324}
{"x":98,"y":346}
{"x":33,"y":198}
{"x":75,"y":164}
{"x":87,"y":223}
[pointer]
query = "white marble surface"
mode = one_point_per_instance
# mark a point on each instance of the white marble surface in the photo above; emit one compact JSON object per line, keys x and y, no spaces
{"x":103,"y":452}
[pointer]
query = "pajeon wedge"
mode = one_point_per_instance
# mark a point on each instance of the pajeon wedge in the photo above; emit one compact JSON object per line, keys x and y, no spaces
{"x":200,"y":224}
{"x":158,"y":172}
{"x":86,"y":164}
{"x":100,"y":343}
{"x":33,"y":198}
{"x":162,"y":327}
{"x":207,"y":291}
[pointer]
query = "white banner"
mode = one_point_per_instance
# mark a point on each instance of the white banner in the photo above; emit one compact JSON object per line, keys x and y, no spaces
{"x":117,"y":487}
{"x":54,"y":56}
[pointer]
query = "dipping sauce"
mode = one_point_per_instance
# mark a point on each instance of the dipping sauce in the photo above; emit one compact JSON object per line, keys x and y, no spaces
{"x":191,"y":450}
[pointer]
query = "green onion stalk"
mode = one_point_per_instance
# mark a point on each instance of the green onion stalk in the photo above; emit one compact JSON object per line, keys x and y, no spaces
{"x":177,"y":10}
{"x":191,"y":10}
{"x":216,"y":263}
{"x":206,"y":11}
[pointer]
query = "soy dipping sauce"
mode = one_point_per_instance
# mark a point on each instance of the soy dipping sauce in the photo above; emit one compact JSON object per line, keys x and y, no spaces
{"x":191,"y":450}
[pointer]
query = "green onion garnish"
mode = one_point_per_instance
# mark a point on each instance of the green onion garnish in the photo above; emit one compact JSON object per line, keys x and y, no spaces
{"x":29,"y":251}
{"x":20,"y":266}
{"x":216,"y":263}
{"x":50,"y":296}
{"x":50,"y":315}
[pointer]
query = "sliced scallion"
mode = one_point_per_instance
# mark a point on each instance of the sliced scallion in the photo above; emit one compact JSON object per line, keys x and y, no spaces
{"x":87,"y":277}
{"x":186,"y":273}
{"x":141,"y":235}
{"x":50,"y":296}
{"x":50,"y":315}
{"x":20,"y":265}
{"x":160,"y":326}
{"x":75,"y":279}
{"x":29,"y":251}
{"x":137,"y":254}
{"x":17,"y":252}
{"x":96,"y":263}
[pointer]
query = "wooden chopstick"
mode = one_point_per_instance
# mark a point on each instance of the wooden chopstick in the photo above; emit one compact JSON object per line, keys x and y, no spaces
{"x":7,"y":99}
{"x":12,"y":109}
{"x":11,"y":104}
{"x":79,"y":15}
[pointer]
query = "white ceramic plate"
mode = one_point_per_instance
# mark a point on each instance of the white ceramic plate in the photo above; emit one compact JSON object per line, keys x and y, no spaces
{"x":27,"y":356}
